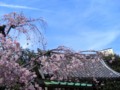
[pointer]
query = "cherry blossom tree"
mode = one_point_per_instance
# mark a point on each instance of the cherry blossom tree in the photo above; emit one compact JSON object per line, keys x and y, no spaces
{"x":13,"y":75}
{"x":29,"y":27}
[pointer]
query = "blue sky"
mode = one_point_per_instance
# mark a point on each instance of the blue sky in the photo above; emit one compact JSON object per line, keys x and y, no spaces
{"x":78,"y":24}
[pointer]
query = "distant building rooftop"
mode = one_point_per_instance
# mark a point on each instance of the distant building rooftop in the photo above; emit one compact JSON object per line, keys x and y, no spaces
{"x":107,"y":52}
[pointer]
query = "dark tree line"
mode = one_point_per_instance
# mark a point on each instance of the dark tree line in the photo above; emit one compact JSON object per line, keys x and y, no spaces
{"x":113,"y":61}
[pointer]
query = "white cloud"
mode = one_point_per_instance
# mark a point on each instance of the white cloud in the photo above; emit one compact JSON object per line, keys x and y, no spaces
{"x":88,"y":39}
{"x":16,"y":6}
{"x":100,"y":39}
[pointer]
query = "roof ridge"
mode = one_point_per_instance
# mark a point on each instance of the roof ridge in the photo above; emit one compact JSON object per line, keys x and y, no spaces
{"x":115,"y":72}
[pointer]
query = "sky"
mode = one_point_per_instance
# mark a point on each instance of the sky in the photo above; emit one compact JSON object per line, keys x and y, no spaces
{"x":77,"y":24}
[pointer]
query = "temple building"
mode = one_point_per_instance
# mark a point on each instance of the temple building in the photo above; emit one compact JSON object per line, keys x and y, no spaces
{"x":90,"y":73}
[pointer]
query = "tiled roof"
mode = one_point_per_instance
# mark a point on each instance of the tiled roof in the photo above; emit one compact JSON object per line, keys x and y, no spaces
{"x":92,"y":67}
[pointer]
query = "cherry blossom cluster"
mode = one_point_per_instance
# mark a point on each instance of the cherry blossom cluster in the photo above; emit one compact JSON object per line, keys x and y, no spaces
{"x":29,"y":27}
{"x":61,"y":62}
{"x":11,"y":73}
